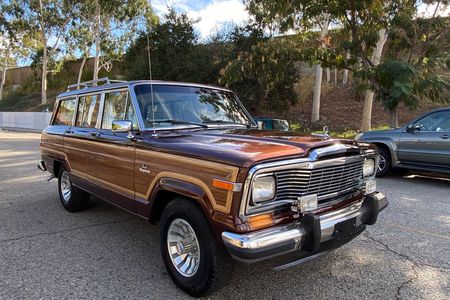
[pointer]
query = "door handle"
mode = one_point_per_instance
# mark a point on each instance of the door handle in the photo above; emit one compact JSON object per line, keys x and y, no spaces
{"x":93,"y":133}
{"x":444,"y":136}
{"x":68,"y":131}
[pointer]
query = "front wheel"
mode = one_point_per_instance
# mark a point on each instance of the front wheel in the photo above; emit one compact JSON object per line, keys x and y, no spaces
{"x":72,"y":198}
{"x":193,"y":259}
{"x":384,"y":166}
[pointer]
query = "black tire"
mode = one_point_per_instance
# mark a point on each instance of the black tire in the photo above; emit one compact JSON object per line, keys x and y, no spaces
{"x":77,"y":200}
{"x":385,"y":162}
{"x":211,"y":273}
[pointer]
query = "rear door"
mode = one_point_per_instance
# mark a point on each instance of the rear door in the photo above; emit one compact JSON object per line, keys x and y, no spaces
{"x":114,"y":153}
{"x":78,"y":140}
{"x":430,"y":145}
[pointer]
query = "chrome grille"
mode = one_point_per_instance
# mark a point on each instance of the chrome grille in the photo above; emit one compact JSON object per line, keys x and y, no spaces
{"x":326,"y":182}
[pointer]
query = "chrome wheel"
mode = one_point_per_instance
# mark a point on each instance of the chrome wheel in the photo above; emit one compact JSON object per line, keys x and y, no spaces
{"x":183,"y":246}
{"x":66,"y":187}
{"x":382,"y":164}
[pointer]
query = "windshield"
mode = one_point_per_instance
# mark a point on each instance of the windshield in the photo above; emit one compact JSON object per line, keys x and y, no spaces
{"x":176,"y":106}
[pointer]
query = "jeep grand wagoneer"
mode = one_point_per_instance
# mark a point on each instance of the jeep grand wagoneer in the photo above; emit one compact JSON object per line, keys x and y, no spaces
{"x":190,"y":157}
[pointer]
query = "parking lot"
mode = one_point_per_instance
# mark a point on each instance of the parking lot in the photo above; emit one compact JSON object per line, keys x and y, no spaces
{"x":46,"y":252}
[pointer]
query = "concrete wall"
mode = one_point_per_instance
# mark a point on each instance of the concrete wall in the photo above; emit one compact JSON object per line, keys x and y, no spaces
{"x":25,"y":120}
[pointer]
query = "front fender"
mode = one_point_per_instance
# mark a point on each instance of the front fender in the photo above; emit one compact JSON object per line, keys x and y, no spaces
{"x":388,"y":142}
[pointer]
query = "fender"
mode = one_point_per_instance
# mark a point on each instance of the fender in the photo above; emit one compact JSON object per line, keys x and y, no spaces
{"x":390,"y":143}
{"x":176,"y":183}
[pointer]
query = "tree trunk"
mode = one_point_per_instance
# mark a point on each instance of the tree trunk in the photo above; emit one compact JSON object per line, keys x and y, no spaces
{"x":97,"y":40}
{"x":44,"y":69}
{"x":80,"y":72}
{"x":393,"y":118}
{"x":315,"y":116}
{"x":335,"y":75}
{"x":328,"y":74}
{"x":3,"y":79}
{"x":366,"y":123}
{"x":345,"y":77}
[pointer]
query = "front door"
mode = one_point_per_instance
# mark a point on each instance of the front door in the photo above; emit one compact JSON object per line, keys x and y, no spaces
{"x":429,"y":144}
{"x":114,"y":155}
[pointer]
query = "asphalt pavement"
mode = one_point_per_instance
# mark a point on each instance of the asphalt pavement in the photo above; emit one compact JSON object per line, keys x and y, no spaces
{"x":106,"y":253}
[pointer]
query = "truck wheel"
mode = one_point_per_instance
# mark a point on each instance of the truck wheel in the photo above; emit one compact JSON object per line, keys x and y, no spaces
{"x":193,"y":258}
{"x":72,"y":198}
{"x":384,"y":165}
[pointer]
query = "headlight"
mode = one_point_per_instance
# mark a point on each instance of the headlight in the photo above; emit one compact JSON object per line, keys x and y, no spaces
{"x":263,"y":189}
{"x":368,"y":167}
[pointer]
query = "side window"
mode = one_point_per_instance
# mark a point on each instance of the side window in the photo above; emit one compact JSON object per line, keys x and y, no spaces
{"x":438,"y":121}
{"x":115,"y":108}
{"x":88,"y":111}
{"x":65,"y":112}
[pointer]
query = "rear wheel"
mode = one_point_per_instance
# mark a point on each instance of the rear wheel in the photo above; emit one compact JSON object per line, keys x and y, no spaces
{"x":384,"y":166}
{"x":72,"y":198}
{"x":193,"y":259}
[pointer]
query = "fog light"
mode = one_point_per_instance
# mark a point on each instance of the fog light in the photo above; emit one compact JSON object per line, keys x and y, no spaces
{"x":306,"y":203}
{"x":371,"y":186}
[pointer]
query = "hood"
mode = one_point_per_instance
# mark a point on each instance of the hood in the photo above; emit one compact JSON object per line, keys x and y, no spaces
{"x":238,"y":147}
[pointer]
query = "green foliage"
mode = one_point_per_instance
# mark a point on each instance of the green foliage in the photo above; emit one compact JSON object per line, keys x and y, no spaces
{"x":175,"y":53}
{"x":262,"y":72}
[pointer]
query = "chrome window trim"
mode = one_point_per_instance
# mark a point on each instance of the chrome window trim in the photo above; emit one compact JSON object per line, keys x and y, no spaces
{"x":181,"y":127}
{"x":308,"y":163}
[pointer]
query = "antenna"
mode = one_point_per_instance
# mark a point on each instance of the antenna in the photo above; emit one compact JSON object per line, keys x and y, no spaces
{"x":151,"y":83}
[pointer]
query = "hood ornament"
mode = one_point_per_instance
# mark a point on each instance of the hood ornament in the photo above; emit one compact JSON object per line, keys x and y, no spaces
{"x":325,"y":131}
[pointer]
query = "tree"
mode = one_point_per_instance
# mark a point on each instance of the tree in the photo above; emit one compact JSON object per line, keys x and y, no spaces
{"x":315,"y":116}
{"x":262,"y":71}
{"x":111,"y":25}
{"x":176,"y":53}
{"x":48,"y":19}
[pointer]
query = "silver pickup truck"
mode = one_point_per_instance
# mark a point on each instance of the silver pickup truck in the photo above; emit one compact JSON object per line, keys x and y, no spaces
{"x":423,"y":144}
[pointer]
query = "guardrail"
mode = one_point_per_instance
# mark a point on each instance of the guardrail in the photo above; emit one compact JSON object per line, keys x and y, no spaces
{"x":25,"y":120}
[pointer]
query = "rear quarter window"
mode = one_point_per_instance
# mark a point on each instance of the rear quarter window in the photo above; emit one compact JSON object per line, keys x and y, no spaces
{"x":65,"y":112}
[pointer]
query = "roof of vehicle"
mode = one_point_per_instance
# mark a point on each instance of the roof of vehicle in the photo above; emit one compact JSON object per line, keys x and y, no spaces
{"x":110,"y":84}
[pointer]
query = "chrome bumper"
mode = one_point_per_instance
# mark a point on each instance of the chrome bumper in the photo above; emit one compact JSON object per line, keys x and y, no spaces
{"x":310,"y":234}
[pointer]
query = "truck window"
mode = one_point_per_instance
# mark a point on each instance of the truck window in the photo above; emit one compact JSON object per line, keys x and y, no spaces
{"x":65,"y":112}
{"x":118,"y":106}
{"x":87,"y":111}
{"x":115,"y":105}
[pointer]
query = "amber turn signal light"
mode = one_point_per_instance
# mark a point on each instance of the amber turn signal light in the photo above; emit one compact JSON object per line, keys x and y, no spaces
{"x":224,"y":185}
{"x":260,"y":221}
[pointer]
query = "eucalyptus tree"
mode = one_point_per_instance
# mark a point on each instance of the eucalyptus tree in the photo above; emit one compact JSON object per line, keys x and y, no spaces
{"x":49,"y":21}
{"x":109,"y":26}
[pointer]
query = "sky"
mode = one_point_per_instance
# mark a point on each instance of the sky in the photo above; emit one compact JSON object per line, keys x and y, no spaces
{"x":214,"y":13}
{"x":210,"y":13}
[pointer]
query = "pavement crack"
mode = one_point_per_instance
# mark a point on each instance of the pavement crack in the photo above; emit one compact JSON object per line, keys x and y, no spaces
{"x":64,"y":230}
{"x":414,"y":264}
{"x":386,"y":246}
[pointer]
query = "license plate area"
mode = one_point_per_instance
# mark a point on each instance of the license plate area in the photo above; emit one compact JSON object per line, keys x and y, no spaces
{"x":347,"y":230}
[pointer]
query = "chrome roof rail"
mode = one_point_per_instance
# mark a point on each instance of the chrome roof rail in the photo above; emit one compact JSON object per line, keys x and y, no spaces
{"x":90,"y":83}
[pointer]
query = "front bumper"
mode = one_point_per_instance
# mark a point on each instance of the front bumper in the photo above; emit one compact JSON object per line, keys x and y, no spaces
{"x":312,"y":235}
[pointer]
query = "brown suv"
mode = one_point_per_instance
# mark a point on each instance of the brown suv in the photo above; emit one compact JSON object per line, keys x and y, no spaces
{"x":191,"y":157}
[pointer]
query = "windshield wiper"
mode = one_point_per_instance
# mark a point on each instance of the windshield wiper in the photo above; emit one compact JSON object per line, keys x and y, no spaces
{"x":225,"y":123}
{"x":181,"y":122}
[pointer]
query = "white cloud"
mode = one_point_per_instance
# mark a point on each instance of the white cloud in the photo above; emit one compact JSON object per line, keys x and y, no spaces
{"x":217,"y":13}
{"x":211,"y":14}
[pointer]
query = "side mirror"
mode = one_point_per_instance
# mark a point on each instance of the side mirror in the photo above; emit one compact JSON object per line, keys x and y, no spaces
{"x":121,"y":126}
{"x":412,"y":128}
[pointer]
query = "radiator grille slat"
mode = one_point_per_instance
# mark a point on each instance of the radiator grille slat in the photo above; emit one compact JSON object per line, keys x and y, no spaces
{"x":325,"y":181}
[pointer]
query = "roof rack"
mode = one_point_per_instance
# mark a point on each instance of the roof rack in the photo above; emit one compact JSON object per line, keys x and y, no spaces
{"x":86,"y":84}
